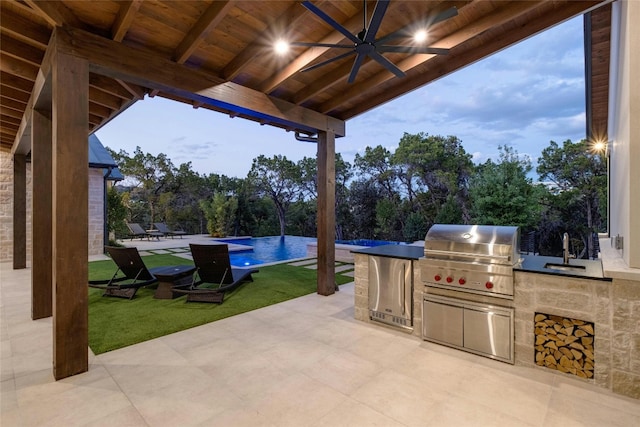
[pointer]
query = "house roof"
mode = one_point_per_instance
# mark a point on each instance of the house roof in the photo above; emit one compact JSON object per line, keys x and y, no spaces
{"x":218,"y":54}
{"x":100,"y":158}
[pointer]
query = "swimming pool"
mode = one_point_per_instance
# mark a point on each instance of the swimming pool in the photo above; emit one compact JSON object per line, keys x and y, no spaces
{"x":275,"y":249}
{"x":368,"y":242}
{"x":268,"y":249}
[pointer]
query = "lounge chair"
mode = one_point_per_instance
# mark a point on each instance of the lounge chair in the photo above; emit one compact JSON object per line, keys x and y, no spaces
{"x":214,"y":268}
{"x":136,"y":274}
{"x":136,"y":230}
{"x":162,"y":228}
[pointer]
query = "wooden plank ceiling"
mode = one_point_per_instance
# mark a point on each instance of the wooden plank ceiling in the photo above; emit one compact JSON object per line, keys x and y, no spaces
{"x":232,"y":41}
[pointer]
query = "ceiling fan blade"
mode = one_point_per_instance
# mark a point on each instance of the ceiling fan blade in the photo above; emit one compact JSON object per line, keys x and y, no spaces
{"x":356,"y":67}
{"x":311,"y":44}
{"x":409,"y":29}
{"x":412,"y":49}
{"x":387,"y":64}
{"x":376,"y":20}
{"x":329,"y":20}
{"x":328,"y":61}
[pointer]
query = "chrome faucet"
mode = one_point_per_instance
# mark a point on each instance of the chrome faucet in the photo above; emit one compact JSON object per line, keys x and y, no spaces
{"x":565,"y":249}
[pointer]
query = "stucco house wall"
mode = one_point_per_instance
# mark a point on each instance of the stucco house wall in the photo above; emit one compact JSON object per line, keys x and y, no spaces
{"x":624,"y":129}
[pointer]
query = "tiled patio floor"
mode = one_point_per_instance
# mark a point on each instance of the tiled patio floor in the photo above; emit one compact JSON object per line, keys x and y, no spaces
{"x":304,"y":362}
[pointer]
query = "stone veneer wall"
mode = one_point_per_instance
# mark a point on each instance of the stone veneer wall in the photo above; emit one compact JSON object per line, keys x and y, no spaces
{"x":96,"y":209}
{"x":614,"y":308}
{"x":361,"y":299}
{"x":6,"y":207}
{"x":96,"y":212}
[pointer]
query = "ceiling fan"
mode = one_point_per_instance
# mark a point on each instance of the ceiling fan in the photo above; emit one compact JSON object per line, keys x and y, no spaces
{"x":365,"y":42}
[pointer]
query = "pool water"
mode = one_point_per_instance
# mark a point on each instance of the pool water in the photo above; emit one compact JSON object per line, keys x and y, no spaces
{"x":276,"y":248}
{"x":368,"y":242}
{"x":268,"y":249}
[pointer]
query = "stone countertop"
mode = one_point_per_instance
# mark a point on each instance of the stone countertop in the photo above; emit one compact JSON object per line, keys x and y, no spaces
{"x":393,"y":251}
{"x":536,"y":264}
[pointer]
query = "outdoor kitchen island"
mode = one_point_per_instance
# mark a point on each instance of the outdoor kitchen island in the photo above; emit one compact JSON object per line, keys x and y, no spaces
{"x":575,"y":322}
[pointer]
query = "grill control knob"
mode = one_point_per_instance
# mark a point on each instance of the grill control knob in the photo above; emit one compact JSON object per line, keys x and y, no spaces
{"x":462,"y":281}
{"x":437,"y":277}
{"x":488,"y":285}
{"x":449,"y":279}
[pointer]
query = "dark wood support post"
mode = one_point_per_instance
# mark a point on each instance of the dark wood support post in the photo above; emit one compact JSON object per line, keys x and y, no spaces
{"x":19,"y":211}
{"x":70,"y":112}
{"x":41,"y":271}
{"x":326,"y":213}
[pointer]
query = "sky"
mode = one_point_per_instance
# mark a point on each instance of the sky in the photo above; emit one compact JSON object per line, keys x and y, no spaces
{"x":524,"y":97}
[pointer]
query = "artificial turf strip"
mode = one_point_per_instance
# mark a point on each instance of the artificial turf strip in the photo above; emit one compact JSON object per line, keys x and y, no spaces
{"x":115,"y":322}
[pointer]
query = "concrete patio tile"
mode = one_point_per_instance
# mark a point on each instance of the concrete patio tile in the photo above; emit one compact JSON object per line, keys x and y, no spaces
{"x":304,"y":262}
{"x":344,"y":267}
{"x":305,"y":361}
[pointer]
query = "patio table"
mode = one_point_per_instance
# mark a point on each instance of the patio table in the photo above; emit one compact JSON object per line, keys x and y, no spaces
{"x":172,"y":277}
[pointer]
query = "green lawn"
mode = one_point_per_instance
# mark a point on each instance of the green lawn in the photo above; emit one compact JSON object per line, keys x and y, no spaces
{"x":115,"y":323}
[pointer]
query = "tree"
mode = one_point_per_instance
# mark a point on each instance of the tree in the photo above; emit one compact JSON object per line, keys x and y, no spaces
{"x":502,"y":194}
{"x":116,"y":212}
{"x":375,"y":165}
{"x":440,"y":165}
{"x":309,"y":184}
{"x":220,"y":213}
{"x":278,"y":179}
{"x":363,"y":197}
{"x":150,"y":176}
{"x":579,"y":178}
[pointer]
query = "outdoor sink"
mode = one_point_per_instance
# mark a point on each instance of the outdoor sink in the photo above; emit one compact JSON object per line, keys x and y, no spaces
{"x":565,"y":267}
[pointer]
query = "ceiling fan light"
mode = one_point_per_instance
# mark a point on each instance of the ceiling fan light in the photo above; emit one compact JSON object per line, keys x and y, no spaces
{"x":420,"y":35}
{"x":281,"y":47}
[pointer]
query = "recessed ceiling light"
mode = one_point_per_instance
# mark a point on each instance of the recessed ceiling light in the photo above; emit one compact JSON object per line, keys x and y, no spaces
{"x":420,"y":36}
{"x":281,"y":47}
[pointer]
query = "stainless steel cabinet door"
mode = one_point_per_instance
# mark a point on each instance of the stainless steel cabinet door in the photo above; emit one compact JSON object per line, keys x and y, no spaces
{"x":442,"y":323}
{"x":390,"y":286}
{"x":488,"y":331}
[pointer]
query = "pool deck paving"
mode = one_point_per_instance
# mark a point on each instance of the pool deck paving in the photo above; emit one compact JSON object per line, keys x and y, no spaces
{"x":302,"y":362}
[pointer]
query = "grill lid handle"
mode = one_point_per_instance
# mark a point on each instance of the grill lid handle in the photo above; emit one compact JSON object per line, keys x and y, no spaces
{"x":466,"y":254}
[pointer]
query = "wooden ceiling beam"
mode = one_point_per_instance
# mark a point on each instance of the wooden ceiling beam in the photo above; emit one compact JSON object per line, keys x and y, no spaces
{"x":290,"y":17}
{"x":550,"y":14}
{"x":55,"y":13}
{"x":25,"y":29}
{"x":16,"y":82}
{"x":21,"y":50}
{"x":133,"y":64}
{"x":127,"y":12}
{"x":308,"y":56}
{"x":211,"y":17}
{"x":9,"y":125}
{"x":17,"y":95}
{"x":105,"y":99}
{"x":17,"y":67}
{"x":8,"y":112}
{"x":109,"y":86}
{"x":12,"y":103}
{"x":137,"y":92}
{"x":99,"y":110}
{"x":451,"y":41}
{"x":311,"y":54}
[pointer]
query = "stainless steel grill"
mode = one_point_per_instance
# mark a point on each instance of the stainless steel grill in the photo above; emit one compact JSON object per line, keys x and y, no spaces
{"x":476,"y":262}
{"x":471,"y":258}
